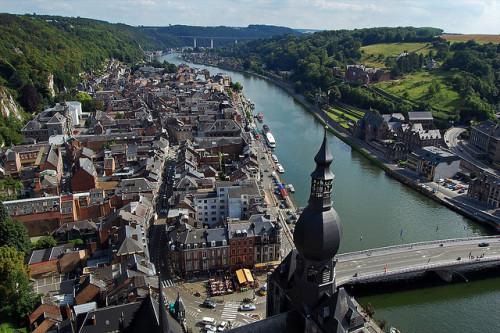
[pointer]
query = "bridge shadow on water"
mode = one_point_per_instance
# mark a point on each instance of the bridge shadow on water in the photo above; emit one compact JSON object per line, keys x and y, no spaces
{"x":421,"y":280}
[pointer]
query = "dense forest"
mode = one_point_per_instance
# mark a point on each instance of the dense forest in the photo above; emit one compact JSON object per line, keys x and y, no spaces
{"x":171,"y":36}
{"x":32,"y":47}
{"x":470,"y":68}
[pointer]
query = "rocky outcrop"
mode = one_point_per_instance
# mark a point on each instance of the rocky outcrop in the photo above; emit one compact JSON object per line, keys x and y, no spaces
{"x":50,"y":85}
{"x":7,"y":104}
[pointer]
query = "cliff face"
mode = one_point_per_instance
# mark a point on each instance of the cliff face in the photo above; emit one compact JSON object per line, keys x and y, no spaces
{"x":50,"y":85}
{"x":7,"y":104}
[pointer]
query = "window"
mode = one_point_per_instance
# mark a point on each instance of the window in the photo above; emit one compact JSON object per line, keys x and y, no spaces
{"x":233,"y":252}
{"x":239,"y":242}
{"x":244,"y":242}
{"x":245,"y":250}
{"x":250,"y":242}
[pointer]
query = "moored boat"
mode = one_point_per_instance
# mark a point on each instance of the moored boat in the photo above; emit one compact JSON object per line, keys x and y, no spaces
{"x":280,"y":168}
{"x":270,"y":140}
{"x":260,"y":117}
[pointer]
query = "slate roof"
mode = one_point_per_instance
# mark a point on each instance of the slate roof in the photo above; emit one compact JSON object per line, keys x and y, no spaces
{"x":49,"y":254}
{"x":84,"y":225}
{"x":415,"y":116}
{"x":87,"y":166}
{"x":127,"y":245}
{"x":32,"y":125}
{"x":490,"y":128}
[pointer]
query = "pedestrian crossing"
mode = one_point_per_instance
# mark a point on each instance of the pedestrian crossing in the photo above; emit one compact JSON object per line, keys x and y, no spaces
{"x":192,"y":314}
{"x":167,"y":283}
{"x":230,"y":311}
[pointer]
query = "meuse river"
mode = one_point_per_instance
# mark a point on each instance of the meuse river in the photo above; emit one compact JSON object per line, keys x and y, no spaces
{"x":379,"y":209}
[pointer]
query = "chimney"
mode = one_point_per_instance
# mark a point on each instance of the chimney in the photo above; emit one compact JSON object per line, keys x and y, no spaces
{"x":67,"y":310}
{"x":94,"y":321}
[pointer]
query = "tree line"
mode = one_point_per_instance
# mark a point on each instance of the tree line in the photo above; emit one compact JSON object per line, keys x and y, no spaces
{"x":473,"y":69}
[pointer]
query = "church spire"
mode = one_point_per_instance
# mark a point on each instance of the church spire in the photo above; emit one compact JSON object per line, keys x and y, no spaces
{"x":322,"y":178}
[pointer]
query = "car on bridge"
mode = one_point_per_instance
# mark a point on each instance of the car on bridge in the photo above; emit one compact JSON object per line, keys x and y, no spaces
{"x":483,"y":244}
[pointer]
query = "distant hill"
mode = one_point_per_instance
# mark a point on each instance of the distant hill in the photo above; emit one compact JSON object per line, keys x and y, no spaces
{"x":175,"y":35}
{"x":39,"y":50}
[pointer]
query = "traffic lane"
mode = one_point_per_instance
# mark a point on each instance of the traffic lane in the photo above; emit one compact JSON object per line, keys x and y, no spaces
{"x":401,"y":260}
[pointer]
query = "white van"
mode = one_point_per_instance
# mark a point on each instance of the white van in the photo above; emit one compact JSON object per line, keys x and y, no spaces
{"x":209,"y":321}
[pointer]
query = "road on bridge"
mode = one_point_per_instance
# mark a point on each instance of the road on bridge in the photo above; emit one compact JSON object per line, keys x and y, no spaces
{"x":413,"y":256}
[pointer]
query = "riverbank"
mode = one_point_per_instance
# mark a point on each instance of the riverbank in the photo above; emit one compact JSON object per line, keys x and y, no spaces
{"x":474,"y":213}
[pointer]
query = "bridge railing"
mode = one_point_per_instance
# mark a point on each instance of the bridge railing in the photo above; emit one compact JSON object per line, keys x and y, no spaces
{"x":421,"y":268}
{"x":345,"y":256}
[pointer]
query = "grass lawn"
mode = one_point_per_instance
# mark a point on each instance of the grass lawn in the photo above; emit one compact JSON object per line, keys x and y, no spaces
{"x":416,"y":86}
{"x":337,"y":119}
{"x":340,"y":113}
{"x":370,"y":54}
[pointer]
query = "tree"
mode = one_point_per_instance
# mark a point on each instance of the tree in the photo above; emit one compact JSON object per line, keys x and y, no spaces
{"x":247,"y":64}
{"x":13,"y":233}
{"x":18,"y":299}
{"x":119,"y":115}
{"x":29,"y":98}
{"x":236,"y":86}
{"x":44,"y":243}
{"x":4,"y":213}
{"x":11,"y":260}
{"x":16,"y":294}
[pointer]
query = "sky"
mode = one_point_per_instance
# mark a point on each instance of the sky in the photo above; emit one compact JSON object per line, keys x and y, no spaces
{"x":453,"y":16}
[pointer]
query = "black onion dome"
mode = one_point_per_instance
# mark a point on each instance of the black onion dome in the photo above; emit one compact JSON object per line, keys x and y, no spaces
{"x":317,"y":234}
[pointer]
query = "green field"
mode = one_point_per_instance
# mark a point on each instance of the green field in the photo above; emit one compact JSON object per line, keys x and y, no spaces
{"x":415,"y":88}
{"x":376,"y":55}
{"x":343,"y":115}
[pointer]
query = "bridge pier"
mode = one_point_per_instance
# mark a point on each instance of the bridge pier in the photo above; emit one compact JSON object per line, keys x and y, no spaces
{"x":195,"y":43}
{"x":445,"y":274}
{"x":211,"y":43}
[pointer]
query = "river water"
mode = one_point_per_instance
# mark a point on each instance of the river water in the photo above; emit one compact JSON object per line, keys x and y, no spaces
{"x":376,"y":209}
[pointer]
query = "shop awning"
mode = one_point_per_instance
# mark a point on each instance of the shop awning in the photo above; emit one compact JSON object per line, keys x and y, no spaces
{"x":240,"y":275}
{"x":248,"y":275}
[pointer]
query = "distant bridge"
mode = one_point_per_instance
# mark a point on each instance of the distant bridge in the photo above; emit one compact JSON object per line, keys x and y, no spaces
{"x":195,"y":38}
{"x":440,"y":256}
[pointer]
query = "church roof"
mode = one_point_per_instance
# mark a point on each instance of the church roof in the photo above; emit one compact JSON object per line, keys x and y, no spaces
{"x":319,"y":229}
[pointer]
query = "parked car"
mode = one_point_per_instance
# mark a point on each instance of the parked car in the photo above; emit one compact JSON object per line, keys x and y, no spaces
{"x":209,"y":304}
{"x":222,"y":326}
{"x":247,"y":307}
{"x":210,"y":328}
{"x":483,"y":244}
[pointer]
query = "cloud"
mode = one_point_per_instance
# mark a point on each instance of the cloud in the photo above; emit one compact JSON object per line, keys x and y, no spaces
{"x":463,"y":16}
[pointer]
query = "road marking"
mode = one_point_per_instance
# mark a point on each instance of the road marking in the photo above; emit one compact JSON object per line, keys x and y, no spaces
{"x":230,"y":311}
